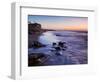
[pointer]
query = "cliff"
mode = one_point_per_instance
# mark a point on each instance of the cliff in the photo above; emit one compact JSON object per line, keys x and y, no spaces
{"x":34,"y":31}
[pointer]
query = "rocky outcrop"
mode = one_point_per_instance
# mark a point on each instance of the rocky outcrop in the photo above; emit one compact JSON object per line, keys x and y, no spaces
{"x":34,"y":28}
{"x":36,"y":59}
{"x":34,"y":31}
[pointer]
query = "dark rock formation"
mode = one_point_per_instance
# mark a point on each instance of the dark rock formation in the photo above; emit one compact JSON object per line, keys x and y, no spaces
{"x":35,"y":59}
{"x":34,"y":31}
{"x":37,"y":44}
{"x":34,"y":27}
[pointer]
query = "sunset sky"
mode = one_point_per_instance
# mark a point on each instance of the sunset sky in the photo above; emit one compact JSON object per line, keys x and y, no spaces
{"x":60,"y":22}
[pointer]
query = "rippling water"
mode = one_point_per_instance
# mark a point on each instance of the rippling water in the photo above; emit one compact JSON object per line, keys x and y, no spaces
{"x":76,"y":42}
{"x":48,"y":38}
{"x":68,"y":36}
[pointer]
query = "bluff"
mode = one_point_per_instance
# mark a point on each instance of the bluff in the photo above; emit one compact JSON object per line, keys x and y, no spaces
{"x":34,"y":31}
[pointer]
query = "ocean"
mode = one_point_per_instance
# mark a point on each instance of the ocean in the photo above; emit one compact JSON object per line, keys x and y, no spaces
{"x":75,"y":53}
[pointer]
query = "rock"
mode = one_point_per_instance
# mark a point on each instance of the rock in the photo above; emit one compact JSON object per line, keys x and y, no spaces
{"x":34,"y":31}
{"x":34,"y":27}
{"x":37,"y":44}
{"x":35,"y":59}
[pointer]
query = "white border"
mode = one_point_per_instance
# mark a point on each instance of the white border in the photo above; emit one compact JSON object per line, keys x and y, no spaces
{"x":19,"y":46}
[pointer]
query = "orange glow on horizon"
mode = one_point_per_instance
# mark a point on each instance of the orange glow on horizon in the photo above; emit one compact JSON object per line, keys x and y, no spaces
{"x":81,"y":27}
